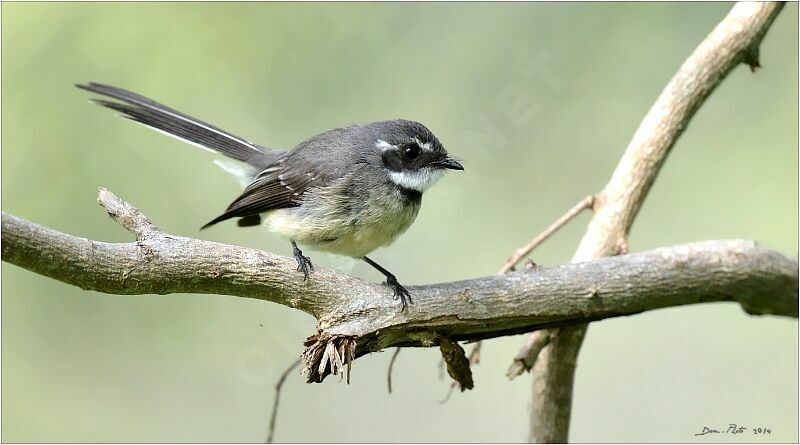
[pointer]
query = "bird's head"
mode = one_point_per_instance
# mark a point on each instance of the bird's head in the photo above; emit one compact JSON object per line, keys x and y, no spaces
{"x":412,"y":156}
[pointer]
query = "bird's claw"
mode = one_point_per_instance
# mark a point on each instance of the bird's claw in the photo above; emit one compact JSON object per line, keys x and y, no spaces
{"x":400,"y":292}
{"x":303,"y":262}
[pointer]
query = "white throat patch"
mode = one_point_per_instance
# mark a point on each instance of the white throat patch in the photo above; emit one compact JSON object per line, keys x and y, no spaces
{"x":419,"y":180}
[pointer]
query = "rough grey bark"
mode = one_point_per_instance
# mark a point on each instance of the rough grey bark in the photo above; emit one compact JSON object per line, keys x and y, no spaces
{"x":365,"y":316}
{"x":735,"y":40}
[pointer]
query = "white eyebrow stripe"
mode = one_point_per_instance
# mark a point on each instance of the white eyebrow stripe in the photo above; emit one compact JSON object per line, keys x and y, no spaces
{"x":423,"y":145}
{"x":383,"y":145}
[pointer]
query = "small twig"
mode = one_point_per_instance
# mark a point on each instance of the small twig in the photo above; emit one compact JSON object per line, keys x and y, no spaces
{"x":275,"y":402}
{"x":389,"y":372}
{"x":517,"y":366}
{"x":475,"y":354}
{"x":449,"y":393}
{"x":527,"y":355}
{"x":126,"y":215}
{"x":522,"y":252}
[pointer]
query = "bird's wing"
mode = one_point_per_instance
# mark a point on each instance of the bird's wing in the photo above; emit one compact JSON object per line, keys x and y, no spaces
{"x":277,"y":187}
{"x":174,"y":123}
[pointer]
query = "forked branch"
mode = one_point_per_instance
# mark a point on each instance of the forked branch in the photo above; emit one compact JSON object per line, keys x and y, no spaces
{"x":735,"y":40}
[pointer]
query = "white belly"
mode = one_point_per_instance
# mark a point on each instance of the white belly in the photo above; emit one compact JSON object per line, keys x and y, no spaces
{"x":353,"y":235}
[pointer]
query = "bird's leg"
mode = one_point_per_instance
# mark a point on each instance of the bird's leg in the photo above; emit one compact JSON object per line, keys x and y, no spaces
{"x":399,"y":291}
{"x":303,"y":262}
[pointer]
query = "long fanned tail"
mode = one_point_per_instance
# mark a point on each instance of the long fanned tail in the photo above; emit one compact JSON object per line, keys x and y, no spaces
{"x":174,"y":123}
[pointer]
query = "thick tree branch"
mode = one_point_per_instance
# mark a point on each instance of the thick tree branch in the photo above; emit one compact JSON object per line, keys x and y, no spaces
{"x":356,"y":317}
{"x":735,"y":40}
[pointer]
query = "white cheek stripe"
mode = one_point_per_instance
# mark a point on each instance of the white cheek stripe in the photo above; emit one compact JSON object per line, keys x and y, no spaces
{"x":419,"y":180}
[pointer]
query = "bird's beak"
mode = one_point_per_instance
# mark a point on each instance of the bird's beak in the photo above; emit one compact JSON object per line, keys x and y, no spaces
{"x":449,"y":163}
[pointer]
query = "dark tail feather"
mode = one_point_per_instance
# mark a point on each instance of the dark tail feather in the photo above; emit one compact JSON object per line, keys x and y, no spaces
{"x":249,"y":221}
{"x":177,"y":124}
{"x":225,"y":216}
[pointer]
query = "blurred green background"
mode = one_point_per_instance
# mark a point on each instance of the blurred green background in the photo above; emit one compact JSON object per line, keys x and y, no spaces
{"x":539,"y":100}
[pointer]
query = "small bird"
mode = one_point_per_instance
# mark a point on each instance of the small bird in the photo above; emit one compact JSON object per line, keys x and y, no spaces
{"x":346,"y":191}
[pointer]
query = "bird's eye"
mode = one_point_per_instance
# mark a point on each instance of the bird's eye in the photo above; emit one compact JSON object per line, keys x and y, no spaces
{"x":411,"y":152}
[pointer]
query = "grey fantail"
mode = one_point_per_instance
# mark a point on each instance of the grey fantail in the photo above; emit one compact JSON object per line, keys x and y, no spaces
{"x":346,"y":191}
